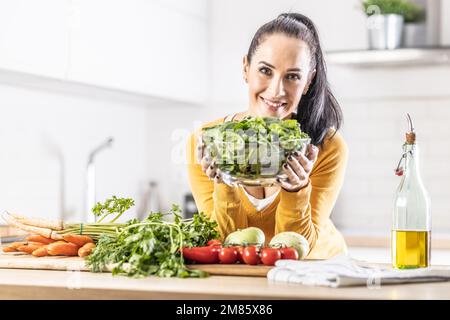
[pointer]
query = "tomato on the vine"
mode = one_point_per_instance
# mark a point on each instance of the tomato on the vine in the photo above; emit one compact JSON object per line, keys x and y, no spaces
{"x":228,"y":255}
{"x":240,"y":251}
{"x":269,"y":256}
{"x":250,"y":255}
{"x":289,"y":253}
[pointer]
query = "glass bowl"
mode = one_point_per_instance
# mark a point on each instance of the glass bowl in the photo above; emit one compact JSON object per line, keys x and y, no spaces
{"x":254,"y":164}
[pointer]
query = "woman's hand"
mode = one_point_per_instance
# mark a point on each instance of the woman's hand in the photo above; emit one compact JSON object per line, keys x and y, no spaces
{"x":210,"y":169}
{"x":208,"y":165}
{"x":297,"y":168}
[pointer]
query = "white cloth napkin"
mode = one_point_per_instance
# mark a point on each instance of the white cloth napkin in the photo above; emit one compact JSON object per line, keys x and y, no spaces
{"x":343,"y":271}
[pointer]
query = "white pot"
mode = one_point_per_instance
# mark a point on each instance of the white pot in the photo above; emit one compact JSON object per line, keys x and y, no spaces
{"x":414,"y":35}
{"x":385,"y":31}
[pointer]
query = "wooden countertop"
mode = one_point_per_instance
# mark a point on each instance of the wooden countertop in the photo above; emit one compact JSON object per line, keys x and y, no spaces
{"x":40,"y":284}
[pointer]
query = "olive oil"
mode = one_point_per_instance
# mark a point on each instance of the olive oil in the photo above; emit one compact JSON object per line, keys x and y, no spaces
{"x":411,"y":249}
{"x":411,"y":225}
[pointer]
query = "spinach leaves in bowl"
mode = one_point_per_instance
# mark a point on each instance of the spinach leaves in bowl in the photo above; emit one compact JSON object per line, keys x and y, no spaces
{"x":254,"y":147}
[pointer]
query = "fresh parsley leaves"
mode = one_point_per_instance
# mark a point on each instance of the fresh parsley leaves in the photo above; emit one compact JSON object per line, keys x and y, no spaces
{"x":152,"y":246}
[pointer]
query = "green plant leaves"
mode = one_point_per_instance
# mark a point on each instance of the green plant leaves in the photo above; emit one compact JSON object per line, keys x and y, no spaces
{"x":254,"y":146}
{"x":153,"y":246}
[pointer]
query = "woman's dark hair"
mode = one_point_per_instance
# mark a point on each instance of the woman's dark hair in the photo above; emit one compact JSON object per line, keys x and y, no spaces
{"x":318,"y":109}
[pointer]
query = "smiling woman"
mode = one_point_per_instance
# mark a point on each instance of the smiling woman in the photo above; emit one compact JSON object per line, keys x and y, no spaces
{"x":286,"y":76}
{"x":276,"y":88}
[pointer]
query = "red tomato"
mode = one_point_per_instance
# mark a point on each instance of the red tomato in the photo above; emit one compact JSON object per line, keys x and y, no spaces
{"x":251,"y":255}
{"x":228,"y":255}
{"x":269,"y":256}
{"x":214,"y":242}
{"x":240,"y":251}
{"x":289,"y":253}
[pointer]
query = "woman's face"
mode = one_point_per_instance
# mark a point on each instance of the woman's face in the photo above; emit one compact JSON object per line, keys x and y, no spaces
{"x":278,"y":75}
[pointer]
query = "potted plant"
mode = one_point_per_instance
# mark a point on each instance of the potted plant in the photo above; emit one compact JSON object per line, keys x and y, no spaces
{"x":385,"y":20}
{"x":414,"y":28}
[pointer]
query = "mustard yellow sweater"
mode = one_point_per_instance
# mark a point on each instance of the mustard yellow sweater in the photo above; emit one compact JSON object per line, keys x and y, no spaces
{"x":306,"y":212}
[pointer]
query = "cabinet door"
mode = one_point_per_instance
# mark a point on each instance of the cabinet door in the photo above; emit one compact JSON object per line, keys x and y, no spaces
{"x":445,"y":23}
{"x":34,"y":36}
{"x":197,"y":8}
{"x":140,"y":46}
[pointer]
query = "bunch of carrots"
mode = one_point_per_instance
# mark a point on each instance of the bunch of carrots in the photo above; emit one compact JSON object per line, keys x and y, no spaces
{"x":39,"y":246}
{"x":48,"y":238}
{"x":54,"y":237}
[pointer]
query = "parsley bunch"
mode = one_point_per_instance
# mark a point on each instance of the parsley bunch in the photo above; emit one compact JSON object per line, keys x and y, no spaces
{"x":153,"y":246}
{"x":112,"y":206}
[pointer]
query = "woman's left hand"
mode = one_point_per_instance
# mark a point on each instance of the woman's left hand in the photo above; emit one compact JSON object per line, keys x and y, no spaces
{"x":297,"y":168}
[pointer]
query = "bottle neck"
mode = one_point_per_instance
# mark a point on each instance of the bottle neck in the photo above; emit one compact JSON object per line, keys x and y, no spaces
{"x":411,"y":160}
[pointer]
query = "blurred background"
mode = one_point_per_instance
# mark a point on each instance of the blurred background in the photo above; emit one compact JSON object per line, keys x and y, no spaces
{"x":74,"y":73}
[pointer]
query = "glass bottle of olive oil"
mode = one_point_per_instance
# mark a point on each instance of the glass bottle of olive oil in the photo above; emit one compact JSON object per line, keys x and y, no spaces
{"x":411,"y":229}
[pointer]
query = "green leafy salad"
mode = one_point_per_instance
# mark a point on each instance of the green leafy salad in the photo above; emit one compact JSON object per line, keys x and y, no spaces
{"x":255,"y":146}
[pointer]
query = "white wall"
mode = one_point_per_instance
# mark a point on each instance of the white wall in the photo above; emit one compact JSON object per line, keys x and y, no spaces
{"x":46,"y":136}
{"x":49,"y":127}
{"x":374,"y":103}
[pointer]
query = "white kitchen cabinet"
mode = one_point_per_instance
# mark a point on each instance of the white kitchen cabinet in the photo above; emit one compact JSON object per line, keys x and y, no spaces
{"x":445,"y":23}
{"x":34,"y":37}
{"x":196,"y":8}
{"x":139,"y":46}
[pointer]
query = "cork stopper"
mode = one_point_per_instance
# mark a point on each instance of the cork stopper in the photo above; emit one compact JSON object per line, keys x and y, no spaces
{"x":410,"y":137}
{"x":410,"y":134}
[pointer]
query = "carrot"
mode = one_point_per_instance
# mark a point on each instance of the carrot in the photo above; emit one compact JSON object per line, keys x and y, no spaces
{"x":62,"y":249}
{"x":39,"y":222}
{"x":29,"y":248}
{"x":9,"y":249}
{"x":41,"y":252}
{"x":78,"y":239}
{"x":86,"y":249}
{"x":36,"y":243}
{"x":17,"y":244}
{"x":45,"y":232}
{"x":39,"y":238}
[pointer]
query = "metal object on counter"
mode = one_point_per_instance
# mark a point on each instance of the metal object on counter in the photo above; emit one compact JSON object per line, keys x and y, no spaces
{"x":90,"y":199}
{"x":414,"y":35}
{"x":151,"y":202}
{"x":385,"y":31}
{"x":189,"y":206}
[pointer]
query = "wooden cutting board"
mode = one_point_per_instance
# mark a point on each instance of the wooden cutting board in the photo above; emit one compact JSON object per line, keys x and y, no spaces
{"x":18,"y":260}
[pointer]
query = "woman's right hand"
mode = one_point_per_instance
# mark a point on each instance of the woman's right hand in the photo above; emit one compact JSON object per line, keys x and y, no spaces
{"x":208,"y":165}
{"x":210,"y":169}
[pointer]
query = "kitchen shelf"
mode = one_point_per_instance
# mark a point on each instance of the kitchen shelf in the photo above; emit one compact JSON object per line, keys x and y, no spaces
{"x":390,"y":58}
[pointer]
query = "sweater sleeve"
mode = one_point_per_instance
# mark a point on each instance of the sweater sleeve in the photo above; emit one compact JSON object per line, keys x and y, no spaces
{"x":307,"y":210}
{"x":218,"y":202}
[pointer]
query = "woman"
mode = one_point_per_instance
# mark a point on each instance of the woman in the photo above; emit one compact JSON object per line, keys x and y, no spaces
{"x":285,"y":72}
